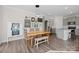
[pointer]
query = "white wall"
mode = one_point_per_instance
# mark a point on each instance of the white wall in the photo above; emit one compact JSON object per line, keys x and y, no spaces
{"x":58,"y":22}
{"x":51,"y":22}
{"x":13,"y":15}
{"x":0,"y":23}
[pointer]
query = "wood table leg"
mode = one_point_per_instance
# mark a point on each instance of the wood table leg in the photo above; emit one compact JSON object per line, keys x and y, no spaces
{"x":31,"y":42}
{"x":48,"y":37}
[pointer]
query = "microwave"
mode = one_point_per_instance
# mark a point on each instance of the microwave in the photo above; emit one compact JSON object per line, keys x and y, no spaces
{"x":71,"y":23}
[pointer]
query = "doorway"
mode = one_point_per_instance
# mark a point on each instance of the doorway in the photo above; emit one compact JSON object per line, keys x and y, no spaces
{"x":45,"y":24}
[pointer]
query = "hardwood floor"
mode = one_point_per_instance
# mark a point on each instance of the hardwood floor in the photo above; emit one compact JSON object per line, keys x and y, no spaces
{"x":19,"y":46}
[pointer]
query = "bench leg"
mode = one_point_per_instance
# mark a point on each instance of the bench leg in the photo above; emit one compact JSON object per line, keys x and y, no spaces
{"x":36,"y":43}
{"x":47,"y":41}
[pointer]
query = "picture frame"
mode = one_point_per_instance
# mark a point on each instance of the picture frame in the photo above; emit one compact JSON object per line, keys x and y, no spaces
{"x":40,"y":19}
{"x":15,"y":29}
{"x":32,"y":19}
{"x":27,"y":23}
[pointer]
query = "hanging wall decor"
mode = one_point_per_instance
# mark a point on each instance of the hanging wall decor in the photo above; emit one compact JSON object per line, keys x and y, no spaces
{"x":27,"y":23}
{"x":33,"y":19}
{"x":15,"y":29}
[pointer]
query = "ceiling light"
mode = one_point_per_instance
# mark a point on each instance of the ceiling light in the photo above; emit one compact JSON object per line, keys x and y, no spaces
{"x":37,"y":6}
{"x":66,"y":8}
{"x":71,"y":12}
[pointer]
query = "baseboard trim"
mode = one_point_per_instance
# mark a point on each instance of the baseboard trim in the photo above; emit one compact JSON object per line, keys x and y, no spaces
{"x":9,"y":41}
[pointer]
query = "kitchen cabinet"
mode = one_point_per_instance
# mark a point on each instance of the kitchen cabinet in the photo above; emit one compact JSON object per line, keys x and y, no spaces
{"x":77,"y":32}
{"x":77,"y":20}
{"x":71,"y":19}
{"x":68,"y":19}
{"x":65,"y":20}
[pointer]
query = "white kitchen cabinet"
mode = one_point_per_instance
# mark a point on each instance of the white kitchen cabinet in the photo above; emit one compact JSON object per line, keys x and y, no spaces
{"x":77,"y":20}
{"x":68,"y":19}
{"x":77,"y":32}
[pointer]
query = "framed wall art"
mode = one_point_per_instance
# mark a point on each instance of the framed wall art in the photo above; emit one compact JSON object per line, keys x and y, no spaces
{"x":27,"y":23}
{"x":15,"y":29}
{"x":33,"y":19}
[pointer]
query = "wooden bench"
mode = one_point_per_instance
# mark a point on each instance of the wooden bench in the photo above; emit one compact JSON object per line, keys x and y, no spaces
{"x":40,"y":40}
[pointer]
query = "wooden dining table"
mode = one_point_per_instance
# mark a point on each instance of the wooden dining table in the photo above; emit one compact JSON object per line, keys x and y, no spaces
{"x":32,"y":35}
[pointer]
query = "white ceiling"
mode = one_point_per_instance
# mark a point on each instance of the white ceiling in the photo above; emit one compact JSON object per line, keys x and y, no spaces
{"x":51,"y":10}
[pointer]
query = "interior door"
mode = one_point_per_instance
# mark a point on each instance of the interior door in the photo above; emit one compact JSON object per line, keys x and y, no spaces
{"x":46,"y":25}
